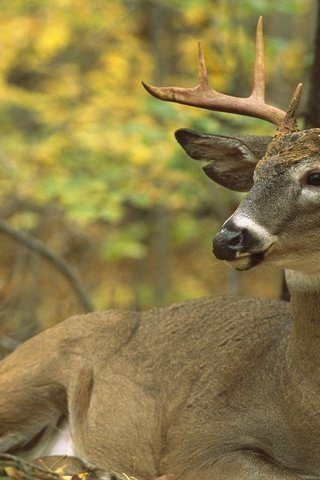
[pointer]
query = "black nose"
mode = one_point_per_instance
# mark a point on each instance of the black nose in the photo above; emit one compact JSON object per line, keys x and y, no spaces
{"x":232,"y":240}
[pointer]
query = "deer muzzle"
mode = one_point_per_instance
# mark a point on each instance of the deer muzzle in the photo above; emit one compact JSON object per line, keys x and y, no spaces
{"x":240,"y":244}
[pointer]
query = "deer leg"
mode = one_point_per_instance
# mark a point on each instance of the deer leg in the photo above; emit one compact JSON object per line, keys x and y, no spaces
{"x":115,"y":425}
{"x":31,"y":402}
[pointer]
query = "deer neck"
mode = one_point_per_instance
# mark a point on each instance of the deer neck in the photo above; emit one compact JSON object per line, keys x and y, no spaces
{"x":303,"y":352}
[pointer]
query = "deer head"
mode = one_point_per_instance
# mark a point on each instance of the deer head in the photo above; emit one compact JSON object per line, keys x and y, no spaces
{"x":282,"y":174}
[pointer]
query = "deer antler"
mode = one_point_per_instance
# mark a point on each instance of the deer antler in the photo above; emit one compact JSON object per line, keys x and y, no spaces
{"x":204,"y":97}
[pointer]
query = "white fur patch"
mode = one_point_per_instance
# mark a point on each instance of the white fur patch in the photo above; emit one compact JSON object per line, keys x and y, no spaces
{"x":242,"y":222}
{"x":62,"y":444}
{"x":303,"y":281}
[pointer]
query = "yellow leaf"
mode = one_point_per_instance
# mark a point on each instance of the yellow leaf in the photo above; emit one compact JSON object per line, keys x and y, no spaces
{"x":54,"y":35}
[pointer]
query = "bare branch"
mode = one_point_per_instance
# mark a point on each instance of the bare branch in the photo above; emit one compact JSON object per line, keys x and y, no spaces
{"x":62,"y":265}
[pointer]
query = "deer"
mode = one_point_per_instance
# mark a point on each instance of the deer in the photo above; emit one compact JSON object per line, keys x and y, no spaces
{"x":224,"y":388}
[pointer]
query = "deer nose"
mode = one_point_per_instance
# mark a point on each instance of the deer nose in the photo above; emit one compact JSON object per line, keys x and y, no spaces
{"x":232,"y":240}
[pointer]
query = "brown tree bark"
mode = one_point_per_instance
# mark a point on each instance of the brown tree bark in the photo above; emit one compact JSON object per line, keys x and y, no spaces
{"x":312,"y":115}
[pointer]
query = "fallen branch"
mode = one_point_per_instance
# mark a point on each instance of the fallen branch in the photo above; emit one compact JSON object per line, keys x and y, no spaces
{"x":15,"y":468}
{"x":41,"y":249}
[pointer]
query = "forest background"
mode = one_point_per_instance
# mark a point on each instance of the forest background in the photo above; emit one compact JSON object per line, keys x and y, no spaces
{"x":90,"y":172}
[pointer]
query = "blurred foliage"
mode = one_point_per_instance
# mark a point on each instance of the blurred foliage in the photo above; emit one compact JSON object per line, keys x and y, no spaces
{"x":87,"y":157}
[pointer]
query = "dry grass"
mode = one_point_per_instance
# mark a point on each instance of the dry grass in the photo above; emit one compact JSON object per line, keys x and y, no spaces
{"x":16,"y":468}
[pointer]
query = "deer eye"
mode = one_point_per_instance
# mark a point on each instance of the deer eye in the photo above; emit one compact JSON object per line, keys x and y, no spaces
{"x":312,"y":178}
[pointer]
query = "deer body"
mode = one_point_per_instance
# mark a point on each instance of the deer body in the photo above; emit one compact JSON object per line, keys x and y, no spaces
{"x":146,"y":392}
{"x":225,"y":389}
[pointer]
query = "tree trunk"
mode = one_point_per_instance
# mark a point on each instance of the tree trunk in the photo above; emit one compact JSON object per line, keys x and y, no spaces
{"x":160,"y":32}
{"x":312,"y":115}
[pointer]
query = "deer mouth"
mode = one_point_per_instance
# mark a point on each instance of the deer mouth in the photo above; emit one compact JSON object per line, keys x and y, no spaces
{"x":246,"y":261}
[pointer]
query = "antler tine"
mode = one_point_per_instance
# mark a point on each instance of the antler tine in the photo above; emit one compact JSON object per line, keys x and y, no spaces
{"x":258,"y":90}
{"x":202,"y":69}
{"x":204,"y":97}
{"x":289,"y":123}
{"x":295,"y":101}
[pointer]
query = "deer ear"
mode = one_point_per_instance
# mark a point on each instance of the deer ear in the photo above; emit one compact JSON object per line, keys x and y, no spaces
{"x":230,"y":160}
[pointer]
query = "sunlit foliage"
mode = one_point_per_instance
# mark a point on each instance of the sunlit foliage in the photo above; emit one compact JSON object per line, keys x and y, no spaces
{"x":80,"y":135}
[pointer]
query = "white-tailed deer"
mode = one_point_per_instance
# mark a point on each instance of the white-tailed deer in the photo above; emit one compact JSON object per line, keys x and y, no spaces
{"x":212,"y":389}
